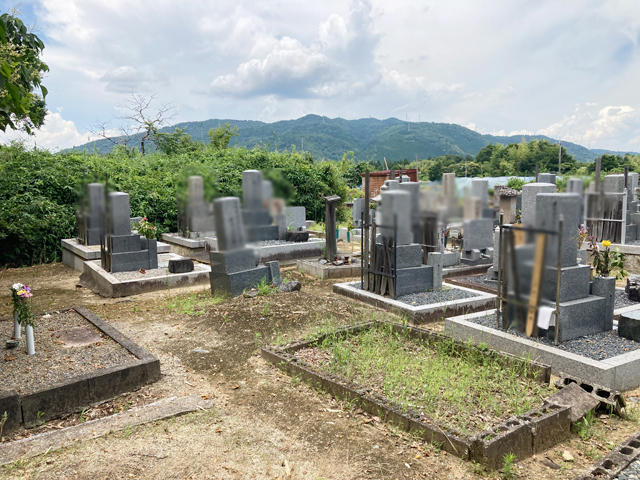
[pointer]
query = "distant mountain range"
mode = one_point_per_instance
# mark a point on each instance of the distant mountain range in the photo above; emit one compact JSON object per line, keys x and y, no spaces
{"x":368,"y":138}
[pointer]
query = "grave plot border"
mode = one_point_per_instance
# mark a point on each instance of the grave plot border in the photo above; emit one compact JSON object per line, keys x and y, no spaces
{"x":105,"y":284}
{"x":82,"y":390}
{"x":612,"y":464}
{"x":332,"y":271}
{"x":421,"y":313}
{"x":621,"y":372}
{"x":524,"y":435}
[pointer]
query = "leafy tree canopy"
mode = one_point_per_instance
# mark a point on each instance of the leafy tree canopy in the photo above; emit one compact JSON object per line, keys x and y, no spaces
{"x":21,"y":71}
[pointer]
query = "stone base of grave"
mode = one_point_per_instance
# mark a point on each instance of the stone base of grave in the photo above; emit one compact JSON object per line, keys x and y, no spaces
{"x":234,"y":272}
{"x":185,"y":246}
{"x":132,"y":253}
{"x":449,"y":259}
{"x":269,"y":253}
{"x":621,"y":372}
{"x":327,"y":270}
{"x":123,"y":284}
{"x":477,"y":257}
{"x":414,"y":280}
{"x":74,"y":254}
{"x":262,"y":232}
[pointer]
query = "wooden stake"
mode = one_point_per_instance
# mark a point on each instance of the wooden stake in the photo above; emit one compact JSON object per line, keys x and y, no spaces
{"x":536,"y":283}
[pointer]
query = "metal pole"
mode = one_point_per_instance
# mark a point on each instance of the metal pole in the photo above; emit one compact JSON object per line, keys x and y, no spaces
{"x":559,"y":274}
{"x":623,"y":233}
{"x":395,"y":259}
{"x":362,"y":227}
{"x":500,"y":260}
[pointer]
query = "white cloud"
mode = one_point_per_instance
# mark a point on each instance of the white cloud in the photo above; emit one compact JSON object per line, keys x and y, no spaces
{"x":56,"y":134}
{"x":518,"y":67}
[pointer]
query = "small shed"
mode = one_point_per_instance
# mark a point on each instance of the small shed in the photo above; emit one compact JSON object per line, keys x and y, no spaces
{"x":377,"y":179}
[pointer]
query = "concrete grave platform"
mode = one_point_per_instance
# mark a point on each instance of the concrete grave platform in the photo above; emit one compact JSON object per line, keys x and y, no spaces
{"x":184,"y":246}
{"x":328,"y":270}
{"x":420,"y":313}
{"x":82,"y":390}
{"x":74,"y":254}
{"x":528,"y":434}
{"x":271,"y":250}
{"x":621,"y":372}
{"x":123,"y":284}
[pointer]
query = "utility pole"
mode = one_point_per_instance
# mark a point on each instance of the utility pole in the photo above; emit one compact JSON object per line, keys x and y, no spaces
{"x":559,"y":157}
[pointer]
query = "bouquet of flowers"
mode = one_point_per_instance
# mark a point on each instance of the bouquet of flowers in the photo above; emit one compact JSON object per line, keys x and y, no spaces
{"x":21,"y":305}
{"x":147,"y":229}
{"x":606,"y":261}
{"x":583,"y":233}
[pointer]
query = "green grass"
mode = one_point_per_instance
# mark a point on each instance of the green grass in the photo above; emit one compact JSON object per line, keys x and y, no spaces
{"x":193,"y":304}
{"x":469,"y":391}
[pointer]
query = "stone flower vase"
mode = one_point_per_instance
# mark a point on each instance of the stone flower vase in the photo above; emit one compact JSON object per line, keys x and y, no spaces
{"x":606,"y":287}
{"x":31,"y":348}
{"x":16,"y":326}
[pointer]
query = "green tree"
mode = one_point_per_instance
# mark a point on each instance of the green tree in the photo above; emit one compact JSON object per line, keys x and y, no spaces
{"x":435,"y":171}
{"x":21,"y":72}
{"x":220,"y":137}
{"x":176,"y":143}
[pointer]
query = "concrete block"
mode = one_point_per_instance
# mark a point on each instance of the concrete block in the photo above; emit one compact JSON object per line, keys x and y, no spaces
{"x":528,"y":202}
{"x":180,"y":265}
{"x":281,"y":223}
{"x":262,"y":233}
{"x":581,"y":317}
{"x":10,"y":403}
{"x":297,"y":237}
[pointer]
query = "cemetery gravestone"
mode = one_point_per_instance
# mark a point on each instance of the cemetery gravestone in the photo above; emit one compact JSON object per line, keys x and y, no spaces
{"x":330,"y":226}
{"x":234,"y":267}
{"x":256,"y":218}
{"x":89,"y":217}
{"x":199,"y":214}
{"x":529,"y":195}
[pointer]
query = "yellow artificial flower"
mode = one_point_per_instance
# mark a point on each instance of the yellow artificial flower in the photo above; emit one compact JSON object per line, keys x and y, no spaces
{"x":606,"y":243}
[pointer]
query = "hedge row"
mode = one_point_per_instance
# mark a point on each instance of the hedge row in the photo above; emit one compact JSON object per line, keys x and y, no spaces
{"x":39,"y":190}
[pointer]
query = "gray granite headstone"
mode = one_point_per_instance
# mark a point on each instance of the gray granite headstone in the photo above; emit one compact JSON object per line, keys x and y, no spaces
{"x":396,"y":204}
{"x":529,"y":193}
{"x":547,"y":178}
{"x":120,"y":218}
{"x":613,"y":183}
{"x":252,"y":189}
{"x":229,"y":228}
{"x":296,"y":218}
{"x":575,"y":185}
{"x":549,"y":207}
{"x":480,"y":189}
{"x":449,"y":184}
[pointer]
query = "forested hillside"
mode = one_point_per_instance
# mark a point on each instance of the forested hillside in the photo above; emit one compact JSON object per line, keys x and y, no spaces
{"x":368,"y":138}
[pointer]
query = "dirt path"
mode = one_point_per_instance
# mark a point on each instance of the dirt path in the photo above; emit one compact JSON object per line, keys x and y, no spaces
{"x":264,"y":424}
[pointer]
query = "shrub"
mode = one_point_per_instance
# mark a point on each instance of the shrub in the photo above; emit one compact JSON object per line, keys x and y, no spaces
{"x":39,"y":190}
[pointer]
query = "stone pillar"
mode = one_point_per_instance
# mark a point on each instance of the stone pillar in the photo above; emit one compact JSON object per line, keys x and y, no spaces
{"x":229,"y":227}
{"x":449,"y":184}
{"x":472,"y":208}
{"x":396,"y":204}
{"x":549,"y":207}
{"x":435,"y":260}
{"x":330,"y":226}
{"x":547,"y":178}
{"x":480,"y":189}
{"x":119,"y":215}
{"x":575,"y":185}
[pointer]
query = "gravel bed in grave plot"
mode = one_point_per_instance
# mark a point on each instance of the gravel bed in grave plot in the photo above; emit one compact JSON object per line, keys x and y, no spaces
{"x":53,"y":363}
{"x":427,"y":298}
{"x":599,"y":346}
{"x":632,"y":472}
{"x":622,"y":300}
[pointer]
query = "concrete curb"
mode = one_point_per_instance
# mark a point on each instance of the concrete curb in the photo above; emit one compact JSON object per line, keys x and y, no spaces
{"x":421,"y":313}
{"x":83,"y":390}
{"x":617,"y":373}
{"x":330,"y":271}
{"x":160,"y":410}
{"x":525,"y":435}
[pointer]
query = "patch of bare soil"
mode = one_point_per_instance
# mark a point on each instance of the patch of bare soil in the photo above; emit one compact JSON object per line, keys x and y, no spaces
{"x":264,"y":424}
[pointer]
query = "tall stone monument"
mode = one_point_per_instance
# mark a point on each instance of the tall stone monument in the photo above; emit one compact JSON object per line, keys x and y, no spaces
{"x":234,"y":267}
{"x":257,"y":219}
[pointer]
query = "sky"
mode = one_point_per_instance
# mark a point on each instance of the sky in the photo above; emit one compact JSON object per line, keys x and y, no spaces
{"x":569,"y":69}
